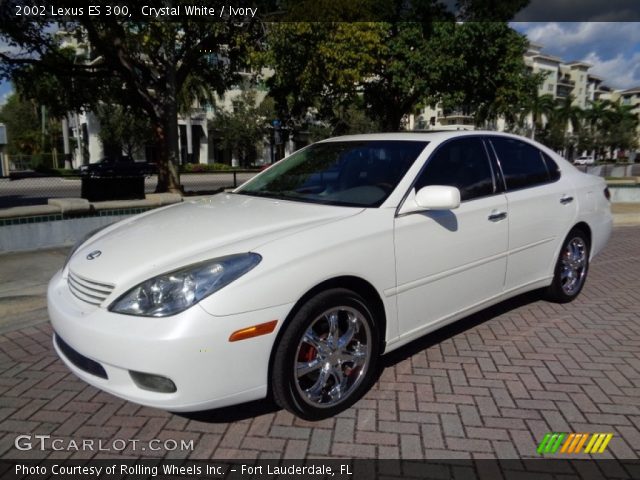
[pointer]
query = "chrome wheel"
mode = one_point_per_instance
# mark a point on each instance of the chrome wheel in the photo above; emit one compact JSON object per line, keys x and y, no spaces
{"x":325,"y":358}
{"x":332,"y":355}
{"x":573,"y":265}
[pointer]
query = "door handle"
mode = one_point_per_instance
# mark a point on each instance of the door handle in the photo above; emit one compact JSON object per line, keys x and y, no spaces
{"x":496,"y":216}
{"x":566,"y":199}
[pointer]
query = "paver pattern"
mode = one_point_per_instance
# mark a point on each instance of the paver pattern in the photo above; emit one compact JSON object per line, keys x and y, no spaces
{"x":491,"y":385}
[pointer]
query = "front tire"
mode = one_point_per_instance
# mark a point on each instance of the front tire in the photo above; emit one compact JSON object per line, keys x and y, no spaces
{"x":571,"y":268}
{"x":325,"y":360}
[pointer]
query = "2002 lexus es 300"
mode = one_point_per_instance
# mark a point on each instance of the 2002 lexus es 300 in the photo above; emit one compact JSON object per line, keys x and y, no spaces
{"x":295,"y":283}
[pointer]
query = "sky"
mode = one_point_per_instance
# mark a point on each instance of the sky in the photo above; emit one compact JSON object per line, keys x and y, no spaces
{"x":613,"y":48}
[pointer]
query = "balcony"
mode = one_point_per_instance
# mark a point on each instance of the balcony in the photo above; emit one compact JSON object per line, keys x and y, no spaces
{"x":566,"y":81}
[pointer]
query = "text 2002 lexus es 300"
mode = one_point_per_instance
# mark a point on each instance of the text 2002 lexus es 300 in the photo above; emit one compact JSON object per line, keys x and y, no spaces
{"x":295,"y":283}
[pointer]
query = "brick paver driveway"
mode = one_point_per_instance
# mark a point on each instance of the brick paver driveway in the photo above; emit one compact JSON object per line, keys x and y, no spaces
{"x":490,"y":386}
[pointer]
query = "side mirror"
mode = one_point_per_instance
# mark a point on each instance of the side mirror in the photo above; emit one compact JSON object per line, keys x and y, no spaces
{"x":432,"y":197}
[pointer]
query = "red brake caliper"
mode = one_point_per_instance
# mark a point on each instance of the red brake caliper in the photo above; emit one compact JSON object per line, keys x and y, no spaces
{"x":306,"y":353}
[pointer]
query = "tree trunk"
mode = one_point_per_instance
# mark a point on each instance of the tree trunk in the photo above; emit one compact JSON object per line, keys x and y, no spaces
{"x":168,"y":175}
{"x":166,"y":129}
{"x":391,"y":120}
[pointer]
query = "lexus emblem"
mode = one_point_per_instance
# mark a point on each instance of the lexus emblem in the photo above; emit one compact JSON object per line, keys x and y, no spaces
{"x":93,"y":255}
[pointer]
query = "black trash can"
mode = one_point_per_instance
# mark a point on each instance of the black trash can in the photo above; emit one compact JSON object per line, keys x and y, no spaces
{"x":99,"y":188}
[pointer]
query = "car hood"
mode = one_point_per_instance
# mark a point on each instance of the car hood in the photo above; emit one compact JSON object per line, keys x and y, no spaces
{"x":155,"y":242}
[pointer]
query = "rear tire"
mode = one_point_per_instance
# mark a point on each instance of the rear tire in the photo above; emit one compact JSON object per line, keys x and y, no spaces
{"x":571,"y":268}
{"x":325,"y":360}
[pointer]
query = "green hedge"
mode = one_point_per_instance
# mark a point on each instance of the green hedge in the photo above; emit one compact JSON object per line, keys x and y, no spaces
{"x":56,"y":172}
{"x":203,"y":167}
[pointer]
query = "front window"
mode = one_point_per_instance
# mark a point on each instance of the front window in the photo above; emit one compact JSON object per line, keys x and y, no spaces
{"x":350,"y":173}
{"x":463,"y":164}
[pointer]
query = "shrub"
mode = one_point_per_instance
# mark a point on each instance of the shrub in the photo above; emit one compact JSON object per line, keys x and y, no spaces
{"x":203,"y":167}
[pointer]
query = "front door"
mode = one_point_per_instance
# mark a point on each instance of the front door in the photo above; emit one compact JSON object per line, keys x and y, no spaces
{"x":448,"y":261}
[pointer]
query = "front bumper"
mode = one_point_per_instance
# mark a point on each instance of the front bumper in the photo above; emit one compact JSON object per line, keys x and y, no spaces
{"x":191,"y":349}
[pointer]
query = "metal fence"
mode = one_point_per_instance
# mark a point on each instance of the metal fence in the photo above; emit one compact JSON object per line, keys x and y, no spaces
{"x":32,"y":190}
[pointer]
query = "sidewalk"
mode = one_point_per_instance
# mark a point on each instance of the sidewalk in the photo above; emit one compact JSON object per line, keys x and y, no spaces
{"x":626,"y":213}
{"x":23,"y":285}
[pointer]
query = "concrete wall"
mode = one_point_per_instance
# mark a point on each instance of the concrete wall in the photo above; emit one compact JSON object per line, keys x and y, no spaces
{"x":625,"y":194}
{"x":32,"y":236}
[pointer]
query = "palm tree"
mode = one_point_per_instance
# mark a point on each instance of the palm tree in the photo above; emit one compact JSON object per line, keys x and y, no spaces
{"x":567,"y":114}
{"x":539,"y":107}
{"x":598,"y":119}
{"x":623,"y":122}
{"x":194,"y":92}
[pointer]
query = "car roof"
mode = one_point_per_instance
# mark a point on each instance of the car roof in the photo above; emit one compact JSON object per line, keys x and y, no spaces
{"x":426,"y":136}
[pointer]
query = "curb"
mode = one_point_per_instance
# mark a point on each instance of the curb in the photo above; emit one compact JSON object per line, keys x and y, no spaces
{"x":81,"y":206}
{"x":626,"y":219}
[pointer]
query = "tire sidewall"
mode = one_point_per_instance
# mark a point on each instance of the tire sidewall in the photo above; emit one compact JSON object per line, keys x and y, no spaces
{"x":283,"y":382}
{"x":556,"y":291}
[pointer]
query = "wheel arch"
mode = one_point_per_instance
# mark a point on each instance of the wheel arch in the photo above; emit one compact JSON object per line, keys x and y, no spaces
{"x":584,"y":226}
{"x":358,"y":285}
{"x":579,"y":225}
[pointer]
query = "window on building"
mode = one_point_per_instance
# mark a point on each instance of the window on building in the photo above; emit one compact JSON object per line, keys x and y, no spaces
{"x":523,"y":165}
{"x":461,"y":163}
{"x":550,"y":87}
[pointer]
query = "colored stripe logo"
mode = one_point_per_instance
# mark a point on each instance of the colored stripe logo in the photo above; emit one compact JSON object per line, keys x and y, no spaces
{"x":569,"y":443}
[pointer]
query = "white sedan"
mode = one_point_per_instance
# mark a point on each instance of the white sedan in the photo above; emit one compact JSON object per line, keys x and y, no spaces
{"x":296,"y":283}
{"x":584,"y":160}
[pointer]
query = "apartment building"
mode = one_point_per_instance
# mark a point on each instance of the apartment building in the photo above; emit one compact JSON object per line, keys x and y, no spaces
{"x":561,"y":78}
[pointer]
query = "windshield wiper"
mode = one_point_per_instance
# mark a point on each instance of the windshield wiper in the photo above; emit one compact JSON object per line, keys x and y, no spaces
{"x":263,"y":193}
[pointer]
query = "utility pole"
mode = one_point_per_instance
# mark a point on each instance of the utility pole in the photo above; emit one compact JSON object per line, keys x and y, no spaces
{"x":43,"y":117}
{"x":65,"y":143}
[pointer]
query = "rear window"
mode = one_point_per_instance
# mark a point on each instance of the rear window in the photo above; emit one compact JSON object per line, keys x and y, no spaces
{"x":523,"y":165}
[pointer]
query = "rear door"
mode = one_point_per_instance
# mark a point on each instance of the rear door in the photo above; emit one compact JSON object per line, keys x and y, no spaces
{"x":542,"y":209}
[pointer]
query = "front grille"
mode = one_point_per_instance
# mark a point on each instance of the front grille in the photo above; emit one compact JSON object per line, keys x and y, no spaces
{"x":87,"y":290}
{"x":80,"y":361}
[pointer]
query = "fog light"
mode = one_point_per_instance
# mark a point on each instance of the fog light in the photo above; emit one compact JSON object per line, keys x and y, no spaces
{"x":154,"y":383}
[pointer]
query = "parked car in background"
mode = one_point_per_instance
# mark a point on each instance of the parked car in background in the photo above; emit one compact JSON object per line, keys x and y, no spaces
{"x":298,"y":281}
{"x":118,"y":167}
{"x":584,"y":160}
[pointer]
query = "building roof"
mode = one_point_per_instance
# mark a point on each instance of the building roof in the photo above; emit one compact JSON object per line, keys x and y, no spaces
{"x":632,"y":90}
{"x":577,"y":63}
{"x":534,"y":48}
{"x":550,"y":58}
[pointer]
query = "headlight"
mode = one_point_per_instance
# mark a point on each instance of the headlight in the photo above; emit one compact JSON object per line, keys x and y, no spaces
{"x":175,"y":291}
{"x":79,"y":243}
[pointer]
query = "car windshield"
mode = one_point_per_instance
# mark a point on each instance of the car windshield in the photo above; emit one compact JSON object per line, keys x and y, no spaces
{"x":349,"y":173}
